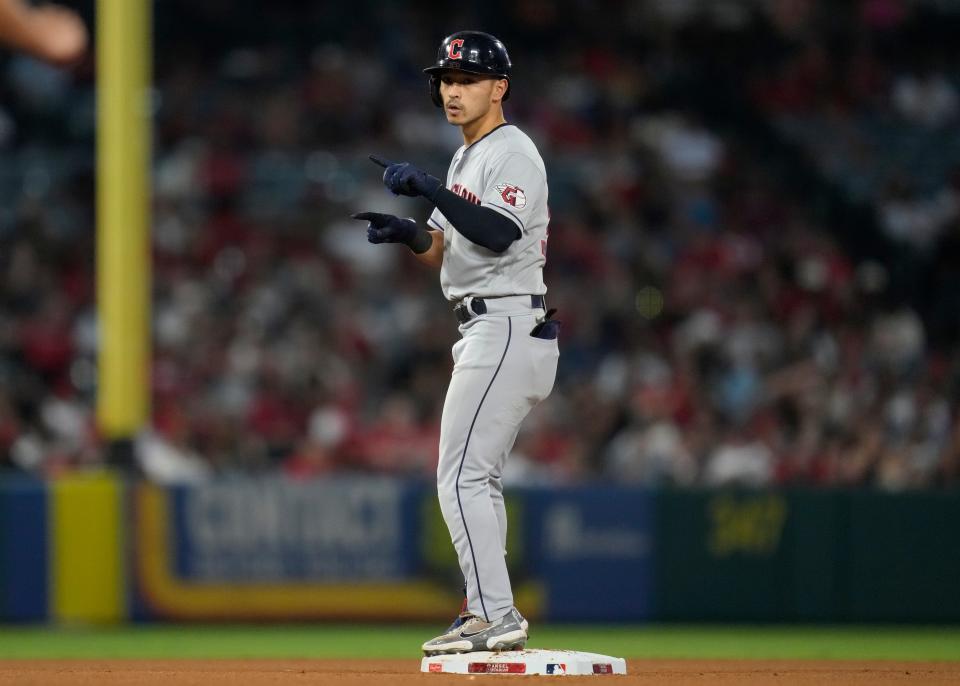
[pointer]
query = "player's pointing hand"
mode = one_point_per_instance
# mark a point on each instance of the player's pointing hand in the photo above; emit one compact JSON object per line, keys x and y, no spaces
{"x":386,"y":228}
{"x":403,"y":178}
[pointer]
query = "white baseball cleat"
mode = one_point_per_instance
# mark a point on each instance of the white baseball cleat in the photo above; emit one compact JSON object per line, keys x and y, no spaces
{"x":506,"y":633}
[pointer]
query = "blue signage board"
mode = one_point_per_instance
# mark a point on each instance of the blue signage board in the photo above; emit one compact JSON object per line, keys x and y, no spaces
{"x":592,"y":548}
{"x":277,"y":530}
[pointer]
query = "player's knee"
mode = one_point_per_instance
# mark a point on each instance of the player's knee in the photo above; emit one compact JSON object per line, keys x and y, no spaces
{"x":447,"y":490}
{"x":446,"y":476}
{"x":449,"y":508}
{"x":466,"y":486}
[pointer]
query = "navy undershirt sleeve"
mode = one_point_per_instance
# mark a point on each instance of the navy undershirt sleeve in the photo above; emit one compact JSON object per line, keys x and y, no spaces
{"x":480,"y":225}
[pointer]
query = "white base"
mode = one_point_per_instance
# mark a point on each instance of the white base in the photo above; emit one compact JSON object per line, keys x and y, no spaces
{"x":547,"y":662}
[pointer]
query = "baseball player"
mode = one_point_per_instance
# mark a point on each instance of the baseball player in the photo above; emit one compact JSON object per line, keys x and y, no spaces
{"x":488,"y":236}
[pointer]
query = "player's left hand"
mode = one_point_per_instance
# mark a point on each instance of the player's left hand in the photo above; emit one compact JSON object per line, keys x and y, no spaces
{"x":403,"y":178}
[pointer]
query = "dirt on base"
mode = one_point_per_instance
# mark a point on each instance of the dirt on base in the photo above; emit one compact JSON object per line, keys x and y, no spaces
{"x":407,"y":673}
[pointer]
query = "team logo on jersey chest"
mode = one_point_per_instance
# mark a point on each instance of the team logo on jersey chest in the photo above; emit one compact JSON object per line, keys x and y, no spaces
{"x":512,"y":195}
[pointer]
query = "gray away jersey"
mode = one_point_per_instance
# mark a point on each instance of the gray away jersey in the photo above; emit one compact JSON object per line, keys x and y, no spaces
{"x":502,"y":171}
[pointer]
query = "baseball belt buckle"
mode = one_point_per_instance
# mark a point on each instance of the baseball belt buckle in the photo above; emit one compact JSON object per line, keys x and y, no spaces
{"x":462,"y":311}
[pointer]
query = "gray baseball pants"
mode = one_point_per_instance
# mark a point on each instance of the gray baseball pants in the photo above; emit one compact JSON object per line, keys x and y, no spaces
{"x":500,"y":373}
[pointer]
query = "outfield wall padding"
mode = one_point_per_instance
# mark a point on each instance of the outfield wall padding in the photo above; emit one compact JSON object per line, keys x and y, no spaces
{"x":807,"y":556}
{"x":94,"y":547}
{"x":24,"y":579}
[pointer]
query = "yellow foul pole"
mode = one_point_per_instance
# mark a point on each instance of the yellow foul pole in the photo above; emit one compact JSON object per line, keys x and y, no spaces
{"x":123,"y":197}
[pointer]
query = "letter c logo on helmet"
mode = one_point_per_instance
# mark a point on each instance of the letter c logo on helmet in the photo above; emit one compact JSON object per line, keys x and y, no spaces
{"x":473,"y":52}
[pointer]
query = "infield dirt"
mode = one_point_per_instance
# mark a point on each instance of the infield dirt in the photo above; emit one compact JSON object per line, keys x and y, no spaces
{"x":406,"y":673}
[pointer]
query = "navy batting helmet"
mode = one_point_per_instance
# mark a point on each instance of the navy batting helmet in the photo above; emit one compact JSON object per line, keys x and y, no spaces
{"x":473,"y":52}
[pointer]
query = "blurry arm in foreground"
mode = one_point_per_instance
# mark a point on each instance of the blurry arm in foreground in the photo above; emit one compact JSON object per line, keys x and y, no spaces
{"x":51,"y":33}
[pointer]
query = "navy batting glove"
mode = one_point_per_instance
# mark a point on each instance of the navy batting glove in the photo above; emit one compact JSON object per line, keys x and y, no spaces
{"x":387,"y":228}
{"x":402,"y":178}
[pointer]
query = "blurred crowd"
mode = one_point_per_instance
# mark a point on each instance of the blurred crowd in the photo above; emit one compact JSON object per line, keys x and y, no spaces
{"x":716,"y":328}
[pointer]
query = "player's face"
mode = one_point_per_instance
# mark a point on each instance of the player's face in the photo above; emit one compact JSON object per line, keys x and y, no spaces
{"x":468,"y":97}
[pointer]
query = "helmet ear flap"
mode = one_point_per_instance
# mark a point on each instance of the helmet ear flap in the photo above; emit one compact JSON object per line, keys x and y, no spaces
{"x":435,"y":91}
